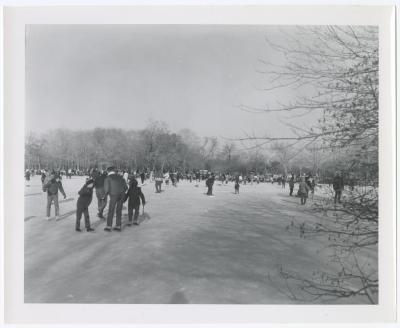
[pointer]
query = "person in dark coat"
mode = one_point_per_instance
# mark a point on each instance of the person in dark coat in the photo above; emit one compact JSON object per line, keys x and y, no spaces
{"x":27,"y":175}
{"x":82,"y":205}
{"x":291,"y":185}
{"x":134,"y":195}
{"x":209,"y":184}
{"x":142,"y":177}
{"x":115,"y":187}
{"x":99,"y":179}
{"x":52,"y":187}
{"x":237,"y":185}
{"x":338,"y":186}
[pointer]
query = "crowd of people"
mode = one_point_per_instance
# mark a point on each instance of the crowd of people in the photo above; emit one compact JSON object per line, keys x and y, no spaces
{"x":114,"y":188}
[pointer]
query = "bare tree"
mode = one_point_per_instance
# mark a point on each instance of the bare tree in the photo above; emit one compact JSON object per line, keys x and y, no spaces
{"x":333,"y":70}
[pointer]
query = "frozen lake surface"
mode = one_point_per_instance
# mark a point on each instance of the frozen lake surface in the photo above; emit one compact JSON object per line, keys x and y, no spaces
{"x":189,"y":248}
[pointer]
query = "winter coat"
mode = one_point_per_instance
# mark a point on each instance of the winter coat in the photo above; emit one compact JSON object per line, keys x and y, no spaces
{"x":85,"y":197}
{"x":134,"y":195}
{"x":210,"y":181}
{"x":53,"y":186}
{"x":338,"y":183}
{"x":303,"y":188}
{"x":99,"y":180}
{"x":114,"y":185}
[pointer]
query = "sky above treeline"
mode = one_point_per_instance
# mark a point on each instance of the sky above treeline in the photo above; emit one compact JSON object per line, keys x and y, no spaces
{"x":121,"y":76}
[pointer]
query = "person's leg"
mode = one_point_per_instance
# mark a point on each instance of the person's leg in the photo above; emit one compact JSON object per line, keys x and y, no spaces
{"x":339,"y":196}
{"x":101,"y":203}
{"x":78,"y":219}
{"x":87,"y":219}
{"x":55,"y":199}
{"x":49,"y":201}
{"x":130,"y":212}
{"x":118,"y":213}
{"x":111,"y":208}
{"x":135,"y":220}
{"x":336,"y":196}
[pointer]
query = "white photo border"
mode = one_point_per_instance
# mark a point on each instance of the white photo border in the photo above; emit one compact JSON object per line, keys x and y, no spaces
{"x":15,"y":20}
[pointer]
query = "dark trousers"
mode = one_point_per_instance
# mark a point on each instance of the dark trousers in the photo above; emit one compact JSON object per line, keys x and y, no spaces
{"x":101,"y":200}
{"x":142,"y":179}
{"x":116,"y":202}
{"x":158,"y":186}
{"x":303,"y":199}
{"x":209,"y":191}
{"x":85,"y":212}
{"x":130,"y":212}
{"x":50,"y":200}
{"x":338,"y":195}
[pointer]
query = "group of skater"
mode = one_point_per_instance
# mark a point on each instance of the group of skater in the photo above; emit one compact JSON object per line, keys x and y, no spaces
{"x":115,"y":188}
{"x":110,"y":187}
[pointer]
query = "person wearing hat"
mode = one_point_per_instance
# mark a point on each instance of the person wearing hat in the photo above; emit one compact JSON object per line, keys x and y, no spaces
{"x":134,"y":195}
{"x":52,"y":187}
{"x":114,"y":187}
{"x":82,"y":205}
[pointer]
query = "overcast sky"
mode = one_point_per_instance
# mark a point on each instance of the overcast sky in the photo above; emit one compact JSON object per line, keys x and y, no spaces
{"x":190,"y":76}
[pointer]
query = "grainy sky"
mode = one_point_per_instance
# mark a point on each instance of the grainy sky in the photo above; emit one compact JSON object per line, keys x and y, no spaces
{"x":190,"y":76}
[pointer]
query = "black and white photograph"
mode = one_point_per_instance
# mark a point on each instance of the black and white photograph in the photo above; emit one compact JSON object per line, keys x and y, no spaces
{"x":201,"y":164}
{"x":238,"y":160}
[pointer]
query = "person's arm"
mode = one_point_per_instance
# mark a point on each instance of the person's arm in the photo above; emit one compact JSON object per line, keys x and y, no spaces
{"x":61,"y":189}
{"x":106,"y":187}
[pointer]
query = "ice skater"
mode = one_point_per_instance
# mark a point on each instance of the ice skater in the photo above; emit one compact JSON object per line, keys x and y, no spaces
{"x":134,"y":196}
{"x":82,"y":205}
{"x":237,"y":185}
{"x":52,"y":187}
{"x":291,"y":185}
{"x":303,"y":191}
{"x":99,"y":179}
{"x":115,"y":187}
{"x":209,"y":184}
{"x":338,"y":187}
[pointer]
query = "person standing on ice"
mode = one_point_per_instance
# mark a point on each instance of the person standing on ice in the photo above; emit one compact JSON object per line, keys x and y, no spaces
{"x":158,"y":181}
{"x":100,"y":193}
{"x":115,"y":187}
{"x":52,"y":187}
{"x":338,"y":186}
{"x":237,"y":185}
{"x":134,"y":195}
{"x":82,"y":205}
{"x":303,"y":191}
{"x":209,"y":184}
{"x":142,"y":176}
{"x":291,"y":185}
{"x":27,"y":175}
